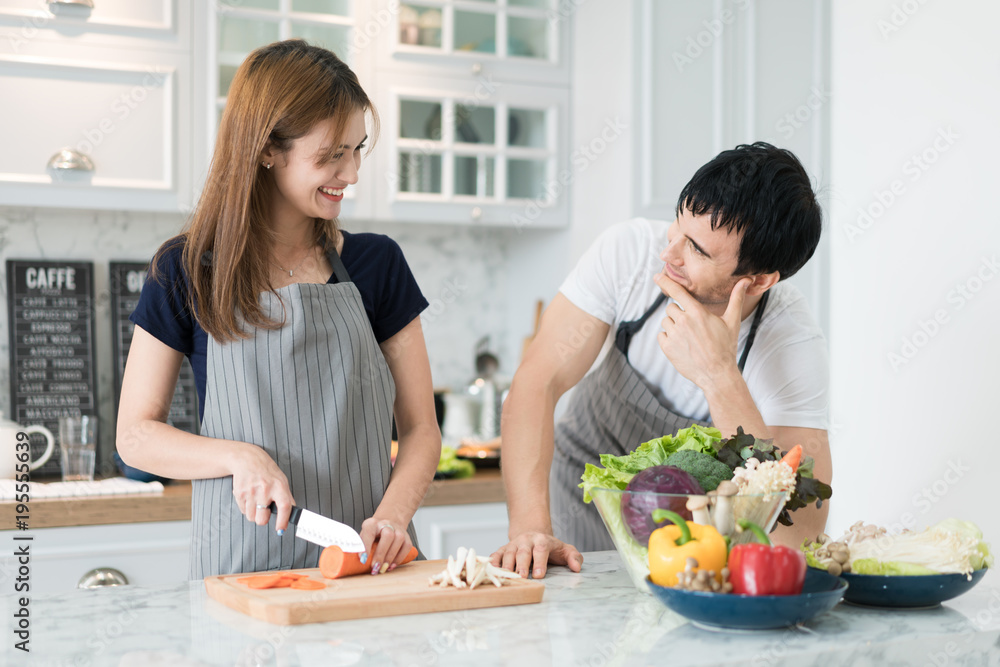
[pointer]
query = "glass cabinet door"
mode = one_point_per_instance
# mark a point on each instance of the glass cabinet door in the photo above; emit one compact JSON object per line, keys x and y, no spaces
{"x":244,"y":25}
{"x":508,"y":29}
{"x":451,"y":157}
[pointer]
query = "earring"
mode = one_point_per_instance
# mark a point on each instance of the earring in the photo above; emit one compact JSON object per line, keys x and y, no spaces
{"x":267,"y":165}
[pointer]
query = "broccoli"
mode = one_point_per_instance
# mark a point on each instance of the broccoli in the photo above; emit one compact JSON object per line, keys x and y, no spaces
{"x":705,"y":468}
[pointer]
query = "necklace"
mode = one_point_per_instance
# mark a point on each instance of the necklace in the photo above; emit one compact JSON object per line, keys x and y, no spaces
{"x":291,"y":272}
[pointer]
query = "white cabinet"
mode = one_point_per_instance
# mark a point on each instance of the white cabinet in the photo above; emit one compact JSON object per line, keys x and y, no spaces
{"x":442,"y":529}
{"x":146,"y":24}
{"x":471,"y":151}
{"x":512,"y":40}
{"x":474,"y":101}
{"x":147,"y":554}
{"x":472,"y":97}
{"x":100,"y":106}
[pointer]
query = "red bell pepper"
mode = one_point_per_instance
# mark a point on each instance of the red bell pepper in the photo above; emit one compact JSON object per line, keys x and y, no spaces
{"x":762,"y":569}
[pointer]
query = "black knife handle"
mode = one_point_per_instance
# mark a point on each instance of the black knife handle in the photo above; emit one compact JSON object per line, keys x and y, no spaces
{"x":293,"y":518}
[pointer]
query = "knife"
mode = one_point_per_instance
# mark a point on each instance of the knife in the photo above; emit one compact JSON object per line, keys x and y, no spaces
{"x":320,"y":530}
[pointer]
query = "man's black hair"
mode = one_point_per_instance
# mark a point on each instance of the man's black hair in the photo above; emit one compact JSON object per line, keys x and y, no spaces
{"x":764,"y":193}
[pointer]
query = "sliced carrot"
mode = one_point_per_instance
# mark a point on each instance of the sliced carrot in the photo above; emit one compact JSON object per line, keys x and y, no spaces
{"x":264,"y":581}
{"x":793,"y":458}
{"x":293,"y":575}
{"x":308,"y":584}
{"x":335,"y":563}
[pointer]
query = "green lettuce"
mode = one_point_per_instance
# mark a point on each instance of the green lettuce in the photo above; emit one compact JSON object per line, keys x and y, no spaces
{"x":891,"y":568}
{"x":618,"y":471}
{"x":451,"y":466}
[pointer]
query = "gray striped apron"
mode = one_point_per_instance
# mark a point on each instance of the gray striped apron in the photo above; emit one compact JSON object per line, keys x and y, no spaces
{"x":612,"y":411}
{"x":317,"y":395}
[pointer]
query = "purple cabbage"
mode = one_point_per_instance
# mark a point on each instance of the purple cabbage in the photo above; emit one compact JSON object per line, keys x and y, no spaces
{"x":640,"y":499}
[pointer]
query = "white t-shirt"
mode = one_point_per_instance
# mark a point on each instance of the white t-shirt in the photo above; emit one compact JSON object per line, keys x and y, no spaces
{"x":787,"y":370}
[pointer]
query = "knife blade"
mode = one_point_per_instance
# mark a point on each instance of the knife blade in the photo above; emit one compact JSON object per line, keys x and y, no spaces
{"x":323,"y":531}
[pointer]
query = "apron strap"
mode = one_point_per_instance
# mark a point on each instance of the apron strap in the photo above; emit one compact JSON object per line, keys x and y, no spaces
{"x":753,"y":329}
{"x":623,"y":337}
{"x":626,"y":330}
{"x":339,"y":270}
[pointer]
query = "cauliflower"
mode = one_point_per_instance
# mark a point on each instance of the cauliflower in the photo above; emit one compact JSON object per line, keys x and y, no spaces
{"x":766,"y":477}
{"x":705,"y":468}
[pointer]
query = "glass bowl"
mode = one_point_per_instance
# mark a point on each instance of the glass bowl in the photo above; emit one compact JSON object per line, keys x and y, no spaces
{"x":761,"y":509}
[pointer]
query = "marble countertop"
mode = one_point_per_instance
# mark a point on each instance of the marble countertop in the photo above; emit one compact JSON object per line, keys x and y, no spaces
{"x":594,"y":618}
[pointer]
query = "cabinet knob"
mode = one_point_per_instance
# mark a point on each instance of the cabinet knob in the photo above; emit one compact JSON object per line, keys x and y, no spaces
{"x":89,"y":4}
{"x":102,"y":576}
{"x":477,"y":213}
{"x":70,"y":160}
{"x":477,"y":68}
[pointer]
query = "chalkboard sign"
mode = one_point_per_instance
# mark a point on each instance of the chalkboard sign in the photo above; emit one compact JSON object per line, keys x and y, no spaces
{"x":126,"y":280}
{"x":50,"y":310}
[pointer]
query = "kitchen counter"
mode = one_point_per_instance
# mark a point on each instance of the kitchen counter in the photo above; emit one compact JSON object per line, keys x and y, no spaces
{"x":595,"y":617}
{"x":174,"y":504}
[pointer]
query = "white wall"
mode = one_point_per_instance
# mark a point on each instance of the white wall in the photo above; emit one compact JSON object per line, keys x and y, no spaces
{"x":914,"y":434}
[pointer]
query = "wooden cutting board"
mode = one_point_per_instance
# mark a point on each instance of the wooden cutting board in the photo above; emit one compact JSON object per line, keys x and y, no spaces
{"x":403,"y":591}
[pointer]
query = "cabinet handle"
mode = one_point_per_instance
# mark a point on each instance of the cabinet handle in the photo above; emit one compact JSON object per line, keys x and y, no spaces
{"x":102,"y":576}
{"x":477,"y":213}
{"x":477,"y":68}
{"x":83,"y":3}
{"x":70,"y":160}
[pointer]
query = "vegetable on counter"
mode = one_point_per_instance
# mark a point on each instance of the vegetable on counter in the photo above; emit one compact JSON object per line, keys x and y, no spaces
{"x":281,"y":579}
{"x":763,"y":568}
{"x":335,"y":563}
{"x":451,"y":467}
{"x":825,"y":554}
{"x":670,"y":548}
{"x":703,"y":452}
{"x":740,"y":450}
{"x":952,"y":546}
{"x":618,"y":471}
{"x":705,"y":468}
{"x":467,"y":570}
{"x":640,"y":498}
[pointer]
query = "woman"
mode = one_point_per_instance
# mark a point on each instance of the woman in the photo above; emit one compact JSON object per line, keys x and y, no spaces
{"x":305,"y":339}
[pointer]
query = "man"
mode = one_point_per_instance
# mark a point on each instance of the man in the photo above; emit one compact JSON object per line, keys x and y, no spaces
{"x":702,"y":332}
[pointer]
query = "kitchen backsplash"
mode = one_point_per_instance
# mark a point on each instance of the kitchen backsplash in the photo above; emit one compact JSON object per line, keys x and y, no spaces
{"x":461,"y":271}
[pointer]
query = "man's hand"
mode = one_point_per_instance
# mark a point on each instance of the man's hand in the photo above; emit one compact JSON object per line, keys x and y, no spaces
{"x":698,"y":343}
{"x":538,"y":548}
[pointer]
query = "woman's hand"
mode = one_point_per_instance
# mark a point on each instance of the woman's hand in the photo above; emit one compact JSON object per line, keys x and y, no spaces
{"x":387,"y":543}
{"x":258,"y":481}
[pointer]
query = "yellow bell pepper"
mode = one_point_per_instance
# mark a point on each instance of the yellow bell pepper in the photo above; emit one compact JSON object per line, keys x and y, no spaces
{"x":671,"y":546}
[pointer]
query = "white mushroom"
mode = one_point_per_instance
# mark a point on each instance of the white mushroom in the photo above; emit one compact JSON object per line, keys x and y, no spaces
{"x":698,"y":506}
{"x":468,"y":570}
{"x":725,"y":520}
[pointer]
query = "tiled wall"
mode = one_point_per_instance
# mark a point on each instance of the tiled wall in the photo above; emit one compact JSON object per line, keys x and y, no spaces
{"x":461,"y":271}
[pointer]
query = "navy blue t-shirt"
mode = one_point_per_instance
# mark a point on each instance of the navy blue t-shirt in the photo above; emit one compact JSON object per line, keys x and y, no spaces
{"x":375,"y":263}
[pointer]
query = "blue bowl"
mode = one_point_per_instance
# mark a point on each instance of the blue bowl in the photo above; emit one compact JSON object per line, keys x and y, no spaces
{"x":907,"y":592}
{"x":820,"y":593}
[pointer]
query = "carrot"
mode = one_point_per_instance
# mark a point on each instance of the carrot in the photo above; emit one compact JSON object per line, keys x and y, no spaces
{"x":264,"y":581}
{"x":793,"y":458}
{"x":308,"y":584}
{"x":335,"y":563}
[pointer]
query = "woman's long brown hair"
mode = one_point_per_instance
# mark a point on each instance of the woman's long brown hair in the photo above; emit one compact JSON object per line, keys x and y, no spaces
{"x":279,"y":93}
